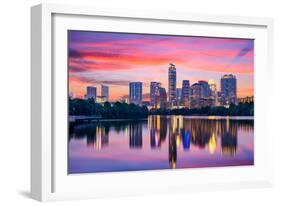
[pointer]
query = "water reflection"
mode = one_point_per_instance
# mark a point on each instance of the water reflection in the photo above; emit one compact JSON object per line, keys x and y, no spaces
{"x":229,"y":138}
{"x":158,"y":130}
{"x":97,"y":137}
{"x":177,"y":135}
{"x":135,"y":134}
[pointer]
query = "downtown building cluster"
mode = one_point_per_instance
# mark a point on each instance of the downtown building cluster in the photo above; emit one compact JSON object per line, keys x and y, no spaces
{"x":91,"y":93}
{"x":198,"y":95}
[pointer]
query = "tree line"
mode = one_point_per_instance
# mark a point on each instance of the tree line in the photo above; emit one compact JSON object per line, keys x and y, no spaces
{"x":117,"y":110}
{"x":120,"y":110}
{"x":242,"y":109}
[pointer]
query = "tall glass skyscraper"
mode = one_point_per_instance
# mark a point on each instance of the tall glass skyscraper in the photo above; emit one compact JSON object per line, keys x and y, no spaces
{"x":228,"y":89}
{"x":135,"y":92}
{"x":213,"y":88}
{"x":162,"y":97}
{"x":206,"y":88}
{"x":154,"y":93}
{"x":172,"y":83}
{"x":185,"y":89}
{"x":178,"y":94}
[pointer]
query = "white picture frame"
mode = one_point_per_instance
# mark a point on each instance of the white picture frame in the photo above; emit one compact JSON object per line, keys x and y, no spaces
{"x":49,"y":180}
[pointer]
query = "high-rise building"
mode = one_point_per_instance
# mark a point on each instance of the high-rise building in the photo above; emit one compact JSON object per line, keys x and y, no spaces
{"x":219,"y":98}
{"x":158,"y":95}
{"x":172,"y":79}
{"x":228,"y":89}
{"x":91,"y":93}
{"x":154,"y":93}
{"x":213,"y":88}
{"x":200,"y":95}
{"x":105,"y":92}
{"x":206,"y":88}
{"x":135,"y":92}
{"x":178,"y":97}
{"x":196,"y":93}
{"x":185,"y":92}
{"x":178,"y":94}
{"x":162,"y":98}
{"x":185,"y":89}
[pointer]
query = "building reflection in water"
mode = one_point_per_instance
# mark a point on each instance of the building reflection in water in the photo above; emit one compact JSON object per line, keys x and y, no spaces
{"x":178,"y":132}
{"x":172,"y":149}
{"x":158,"y":130}
{"x":135,"y":135}
{"x":102,"y":138}
{"x":229,"y":137}
{"x":202,"y":133}
{"x":97,"y":136}
{"x":212,"y":145}
{"x":175,"y":126}
{"x":185,"y":138}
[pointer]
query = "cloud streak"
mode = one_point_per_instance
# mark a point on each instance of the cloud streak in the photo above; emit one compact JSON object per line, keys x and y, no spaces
{"x":94,"y":81}
{"x":249,"y":47}
{"x":120,"y":58}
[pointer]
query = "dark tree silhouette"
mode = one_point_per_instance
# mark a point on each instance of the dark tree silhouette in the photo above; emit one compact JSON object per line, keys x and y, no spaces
{"x":120,"y":110}
{"x":117,"y":110}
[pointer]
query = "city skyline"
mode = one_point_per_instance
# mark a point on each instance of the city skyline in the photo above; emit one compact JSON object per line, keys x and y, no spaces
{"x":115,"y":59}
{"x":200,"y":94}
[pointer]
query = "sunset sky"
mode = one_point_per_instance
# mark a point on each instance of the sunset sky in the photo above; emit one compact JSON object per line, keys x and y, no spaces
{"x":115,"y":59}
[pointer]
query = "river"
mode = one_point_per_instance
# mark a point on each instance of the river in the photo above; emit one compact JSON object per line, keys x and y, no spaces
{"x":161,"y":142}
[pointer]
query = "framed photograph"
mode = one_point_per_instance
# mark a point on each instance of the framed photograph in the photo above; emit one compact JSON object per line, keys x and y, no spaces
{"x":137,"y":102}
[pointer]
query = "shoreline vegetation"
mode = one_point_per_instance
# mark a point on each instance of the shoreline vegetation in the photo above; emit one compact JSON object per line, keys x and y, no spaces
{"x":120,"y":110}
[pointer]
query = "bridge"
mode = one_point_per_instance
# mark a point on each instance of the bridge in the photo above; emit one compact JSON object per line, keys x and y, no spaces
{"x":82,"y":118}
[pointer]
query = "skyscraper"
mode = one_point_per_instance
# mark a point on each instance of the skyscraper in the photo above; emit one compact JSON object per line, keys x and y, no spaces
{"x":135,"y":92}
{"x":172,"y":83}
{"x":154,"y":93}
{"x":162,"y":98}
{"x":105,"y":92}
{"x":91,"y":92}
{"x":206,"y":88}
{"x":196,"y":94}
{"x":213,"y":88}
{"x":178,"y":94}
{"x":228,"y":89}
{"x":196,"y":91}
{"x":185,"y":92}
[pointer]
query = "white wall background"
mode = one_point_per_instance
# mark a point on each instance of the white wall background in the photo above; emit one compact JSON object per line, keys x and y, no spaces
{"x":15,"y":101}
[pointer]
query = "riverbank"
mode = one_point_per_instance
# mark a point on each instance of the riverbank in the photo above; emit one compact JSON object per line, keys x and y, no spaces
{"x":118,"y":110}
{"x":171,"y":116}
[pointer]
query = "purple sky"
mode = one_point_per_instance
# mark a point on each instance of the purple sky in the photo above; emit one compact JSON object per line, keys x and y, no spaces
{"x":115,"y":59}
